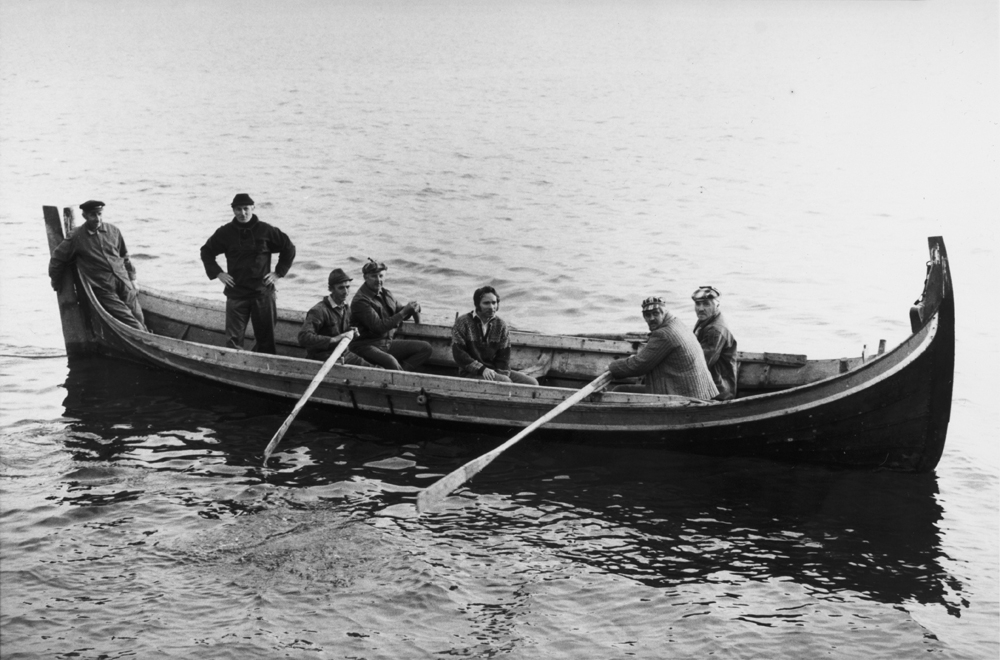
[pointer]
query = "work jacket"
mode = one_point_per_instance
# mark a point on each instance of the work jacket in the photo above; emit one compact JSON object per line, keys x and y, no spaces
{"x":248,"y":248}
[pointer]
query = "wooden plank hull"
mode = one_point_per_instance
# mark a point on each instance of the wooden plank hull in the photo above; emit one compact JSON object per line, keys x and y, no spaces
{"x":890,"y":411}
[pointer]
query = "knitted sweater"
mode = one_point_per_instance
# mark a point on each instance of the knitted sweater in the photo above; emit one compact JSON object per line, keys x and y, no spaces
{"x":672,"y":362}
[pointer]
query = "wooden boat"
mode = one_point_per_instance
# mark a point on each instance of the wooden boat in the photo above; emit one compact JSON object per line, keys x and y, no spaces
{"x":889,"y":410}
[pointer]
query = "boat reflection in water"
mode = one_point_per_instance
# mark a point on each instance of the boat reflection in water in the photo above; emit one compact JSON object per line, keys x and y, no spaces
{"x":665,"y":519}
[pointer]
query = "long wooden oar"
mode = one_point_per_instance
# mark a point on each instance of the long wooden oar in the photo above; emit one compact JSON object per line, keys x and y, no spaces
{"x":437,"y":491}
{"x":330,"y":361}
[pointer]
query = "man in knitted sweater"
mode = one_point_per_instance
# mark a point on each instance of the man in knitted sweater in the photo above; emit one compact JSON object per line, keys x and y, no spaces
{"x":672,"y":361}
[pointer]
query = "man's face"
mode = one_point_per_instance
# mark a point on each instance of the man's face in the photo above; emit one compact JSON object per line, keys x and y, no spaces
{"x":375,"y":280}
{"x":339,"y":292}
{"x":488,"y":306}
{"x":243,"y":213}
{"x":706,"y":308}
{"x":653,"y":317}
{"x":93,"y":219}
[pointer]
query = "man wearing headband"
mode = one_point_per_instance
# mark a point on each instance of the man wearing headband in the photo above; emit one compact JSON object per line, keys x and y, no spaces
{"x":329,"y":322}
{"x":717,"y":341}
{"x":671,"y":361}
{"x":98,"y":250}
{"x":480,"y":342}
{"x":377,"y":314}
{"x":248,"y":244}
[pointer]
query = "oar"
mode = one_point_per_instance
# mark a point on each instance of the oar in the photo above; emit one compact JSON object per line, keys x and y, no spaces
{"x":330,"y":361}
{"x":437,"y":491}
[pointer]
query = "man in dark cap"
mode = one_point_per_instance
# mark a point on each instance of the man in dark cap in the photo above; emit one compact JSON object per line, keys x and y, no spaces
{"x":717,"y":341}
{"x":329,"y":321}
{"x":671,"y":361}
{"x":99,"y":251}
{"x":377,"y":315}
{"x":248,"y":244}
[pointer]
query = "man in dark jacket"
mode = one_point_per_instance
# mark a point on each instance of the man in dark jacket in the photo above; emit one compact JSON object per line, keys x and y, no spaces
{"x":98,"y":250}
{"x":329,"y":322}
{"x":248,"y":244}
{"x":717,"y":341}
{"x":480,"y":342}
{"x":377,"y":314}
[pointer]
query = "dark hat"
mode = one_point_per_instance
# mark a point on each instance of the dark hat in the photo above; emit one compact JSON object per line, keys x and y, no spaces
{"x":705,"y":293}
{"x":337,"y":275}
{"x":242,"y":199}
{"x":651,"y":303}
{"x":372,"y":267}
{"x":90,"y":205}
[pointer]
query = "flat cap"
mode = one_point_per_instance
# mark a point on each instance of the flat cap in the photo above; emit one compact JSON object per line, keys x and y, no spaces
{"x":337,"y":275}
{"x":372,"y":267}
{"x":652,"y":302}
{"x":705,"y":293}
{"x":90,"y":205}
{"x":242,"y":199}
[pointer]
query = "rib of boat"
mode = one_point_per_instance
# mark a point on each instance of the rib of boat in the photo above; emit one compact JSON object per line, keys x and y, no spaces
{"x":888,"y":410}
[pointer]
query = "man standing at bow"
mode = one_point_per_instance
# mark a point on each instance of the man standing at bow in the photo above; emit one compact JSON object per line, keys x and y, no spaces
{"x":671,"y":361}
{"x":377,"y":315}
{"x":99,"y":252}
{"x":248,"y":244}
{"x":716,"y":341}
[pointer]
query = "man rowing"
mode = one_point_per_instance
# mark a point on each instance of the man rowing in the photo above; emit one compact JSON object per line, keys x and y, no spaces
{"x":717,"y":341}
{"x":329,"y":322}
{"x":377,"y":315}
{"x":98,"y":250}
{"x":671,"y":361}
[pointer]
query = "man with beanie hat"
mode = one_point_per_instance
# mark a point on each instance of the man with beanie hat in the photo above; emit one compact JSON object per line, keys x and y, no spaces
{"x":329,"y":321}
{"x":248,"y":244}
{"x":98,"y":250}
{"x":671,"y":361}
{"x":717,"y":341}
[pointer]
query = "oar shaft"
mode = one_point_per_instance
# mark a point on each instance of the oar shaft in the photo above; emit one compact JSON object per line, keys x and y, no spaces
{"x":317,"y":379}
{"x":437,"y":491}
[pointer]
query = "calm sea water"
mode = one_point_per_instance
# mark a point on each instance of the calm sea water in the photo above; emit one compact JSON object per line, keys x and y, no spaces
{"x":578,"y":156}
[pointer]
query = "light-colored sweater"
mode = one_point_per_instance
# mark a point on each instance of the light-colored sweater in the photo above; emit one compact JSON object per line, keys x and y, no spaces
{"x":672,"y":362}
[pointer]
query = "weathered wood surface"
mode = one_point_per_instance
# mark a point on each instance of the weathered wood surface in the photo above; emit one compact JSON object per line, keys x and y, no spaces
{"x":76,"y":333}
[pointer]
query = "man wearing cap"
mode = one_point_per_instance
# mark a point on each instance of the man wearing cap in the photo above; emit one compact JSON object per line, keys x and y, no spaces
{"x":671,"y":361}
{"x":717,"y":341}
{"x":480,"y":342}
{"x":329,"y":321}
{"x":99,"y":252}
{"x":248,"y":244}
{"x":377,"y":314}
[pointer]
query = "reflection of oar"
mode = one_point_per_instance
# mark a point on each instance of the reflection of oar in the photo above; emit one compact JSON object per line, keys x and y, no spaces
{"x":437,"y":491}
{"x":337,"y":352}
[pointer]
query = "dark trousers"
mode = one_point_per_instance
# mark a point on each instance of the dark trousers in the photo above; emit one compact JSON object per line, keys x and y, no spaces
{"x":123,"y":304}
{"x":401,"y":355}
{"x":262,"y":312}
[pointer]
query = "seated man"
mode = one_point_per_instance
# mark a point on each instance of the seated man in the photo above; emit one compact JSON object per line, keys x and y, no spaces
{"x":717,"y":341}
{"x":480,"y":342}
{"x":376,"y":314}
{"x":671,"y":361}
{"x":329,"y":321}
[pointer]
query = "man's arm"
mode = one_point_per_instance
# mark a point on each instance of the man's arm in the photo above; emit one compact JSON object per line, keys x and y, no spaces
{"x":363,"y":315}
{"x":209,"y":251}
{"x":61,"y":258}
{"x":283,"y":245}
{"x":650,"y":355}
{"x":123,"y":253}
{"x":462,"y":350}
{"x":712,"y":342}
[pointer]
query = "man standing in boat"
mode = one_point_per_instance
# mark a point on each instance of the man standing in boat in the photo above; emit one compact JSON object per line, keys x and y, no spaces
{"x":377,"y":315}
{"x":717,"y":341}
{"x":248,"y":244}
{"x":671,"y":361}
{"x":480,"y":342}
{"x":329,"y":322}
{"x":99,"y":252}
